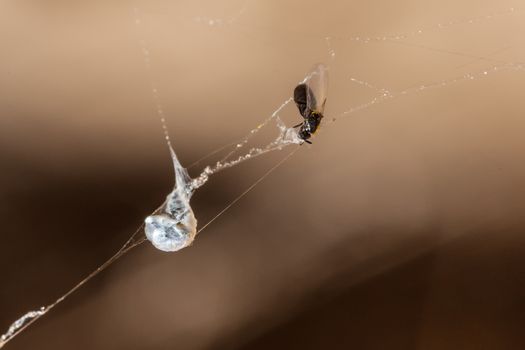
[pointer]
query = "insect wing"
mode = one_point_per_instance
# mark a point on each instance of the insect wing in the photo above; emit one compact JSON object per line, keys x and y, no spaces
{"x":317,"y":87}
{"x":301,"y":97}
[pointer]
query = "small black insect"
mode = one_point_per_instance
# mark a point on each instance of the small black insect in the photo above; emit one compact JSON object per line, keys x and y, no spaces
{"x":310,"y":98}
{"x":305,"y":100}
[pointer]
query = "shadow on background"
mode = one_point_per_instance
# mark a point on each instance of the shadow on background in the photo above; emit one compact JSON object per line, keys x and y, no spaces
{"x":464,"y":294}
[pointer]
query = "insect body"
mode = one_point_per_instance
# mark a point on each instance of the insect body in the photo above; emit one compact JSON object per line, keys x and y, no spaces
{"x":312,"y":118}
{"x":310,"y":98}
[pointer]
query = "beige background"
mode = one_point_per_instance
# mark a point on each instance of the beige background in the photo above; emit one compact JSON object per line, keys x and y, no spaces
{"x":401,"y":228}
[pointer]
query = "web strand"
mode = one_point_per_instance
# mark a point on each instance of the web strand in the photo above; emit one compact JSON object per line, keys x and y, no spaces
{"x":129,"y":245}
{"x":252,"y":186}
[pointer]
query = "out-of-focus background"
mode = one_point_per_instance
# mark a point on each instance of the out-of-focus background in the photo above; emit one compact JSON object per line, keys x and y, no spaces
{"x":402,"y":227}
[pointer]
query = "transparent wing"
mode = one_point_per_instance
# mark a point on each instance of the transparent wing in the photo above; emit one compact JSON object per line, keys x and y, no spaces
{"x":317,"y":83}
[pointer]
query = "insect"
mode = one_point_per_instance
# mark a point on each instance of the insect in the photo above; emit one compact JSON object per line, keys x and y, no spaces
{"x":310,"y":98}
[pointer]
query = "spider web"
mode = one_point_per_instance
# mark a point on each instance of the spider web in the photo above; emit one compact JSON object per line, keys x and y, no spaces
{"x":368,"y":87}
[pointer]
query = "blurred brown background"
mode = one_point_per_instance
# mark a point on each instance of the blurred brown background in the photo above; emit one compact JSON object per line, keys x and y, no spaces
{"x":401,"y":228}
